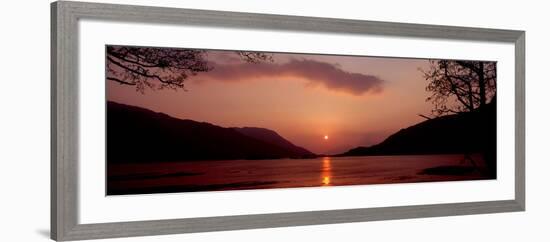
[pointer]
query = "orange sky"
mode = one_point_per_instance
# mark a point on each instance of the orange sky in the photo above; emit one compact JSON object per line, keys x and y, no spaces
{"x":353,"y":100}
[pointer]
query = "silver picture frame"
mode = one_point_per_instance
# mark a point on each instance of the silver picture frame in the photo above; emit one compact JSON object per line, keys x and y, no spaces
{"x":64,"y":118}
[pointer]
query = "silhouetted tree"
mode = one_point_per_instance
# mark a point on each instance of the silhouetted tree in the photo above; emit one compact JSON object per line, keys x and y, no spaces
{"x":467,"y":86}
{"x":147,"y":67}
{"x":460,"y":86}
{"x":254,"y":57}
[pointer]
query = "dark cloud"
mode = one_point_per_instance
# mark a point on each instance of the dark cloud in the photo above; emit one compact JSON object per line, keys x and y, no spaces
{"x":330,"y":76}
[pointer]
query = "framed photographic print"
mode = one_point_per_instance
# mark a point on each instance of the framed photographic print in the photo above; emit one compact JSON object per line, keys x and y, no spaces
{"x":170,"y":120}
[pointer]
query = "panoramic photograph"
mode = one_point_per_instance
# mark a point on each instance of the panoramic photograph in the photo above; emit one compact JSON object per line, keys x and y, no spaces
{"x":198,"y":120}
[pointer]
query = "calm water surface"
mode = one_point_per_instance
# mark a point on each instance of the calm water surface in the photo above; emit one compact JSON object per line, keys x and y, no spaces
{"x":282,"y":173}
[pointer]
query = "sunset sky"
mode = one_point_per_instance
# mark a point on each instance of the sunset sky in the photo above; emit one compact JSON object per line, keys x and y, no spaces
{"x":325,"y":103}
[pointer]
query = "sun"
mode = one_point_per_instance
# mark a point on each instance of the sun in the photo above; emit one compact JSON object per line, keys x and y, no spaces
{"x":326,"y":137}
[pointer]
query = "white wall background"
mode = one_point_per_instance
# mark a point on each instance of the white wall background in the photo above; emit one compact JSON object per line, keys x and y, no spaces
{"x":24,"y":120}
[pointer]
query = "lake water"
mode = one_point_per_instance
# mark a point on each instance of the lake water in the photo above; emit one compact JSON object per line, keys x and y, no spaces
{"x":283,"y":173}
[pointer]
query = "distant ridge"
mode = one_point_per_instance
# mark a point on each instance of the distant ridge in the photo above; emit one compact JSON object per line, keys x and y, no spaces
{"x":274,"y":138}
{"x":471,"y":132}
{"x":137,"y":134}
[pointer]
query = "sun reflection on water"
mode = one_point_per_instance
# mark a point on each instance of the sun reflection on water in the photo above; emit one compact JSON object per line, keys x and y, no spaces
{"x":326,"y":172}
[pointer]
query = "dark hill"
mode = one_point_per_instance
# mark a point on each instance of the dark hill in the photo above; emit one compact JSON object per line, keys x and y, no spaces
{"x":274,"y":138}
{"x":140,"y":135}
{"x":472,"y":132}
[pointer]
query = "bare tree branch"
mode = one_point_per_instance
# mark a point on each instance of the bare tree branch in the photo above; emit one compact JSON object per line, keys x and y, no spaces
{"x":460,"y":86}
{"x":148,"y":67}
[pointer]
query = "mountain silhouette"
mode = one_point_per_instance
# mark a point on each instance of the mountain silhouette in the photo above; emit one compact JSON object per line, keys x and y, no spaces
{"x":463,"y":133}
{"x":137,"y":134}
{"x":274,"y":138}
